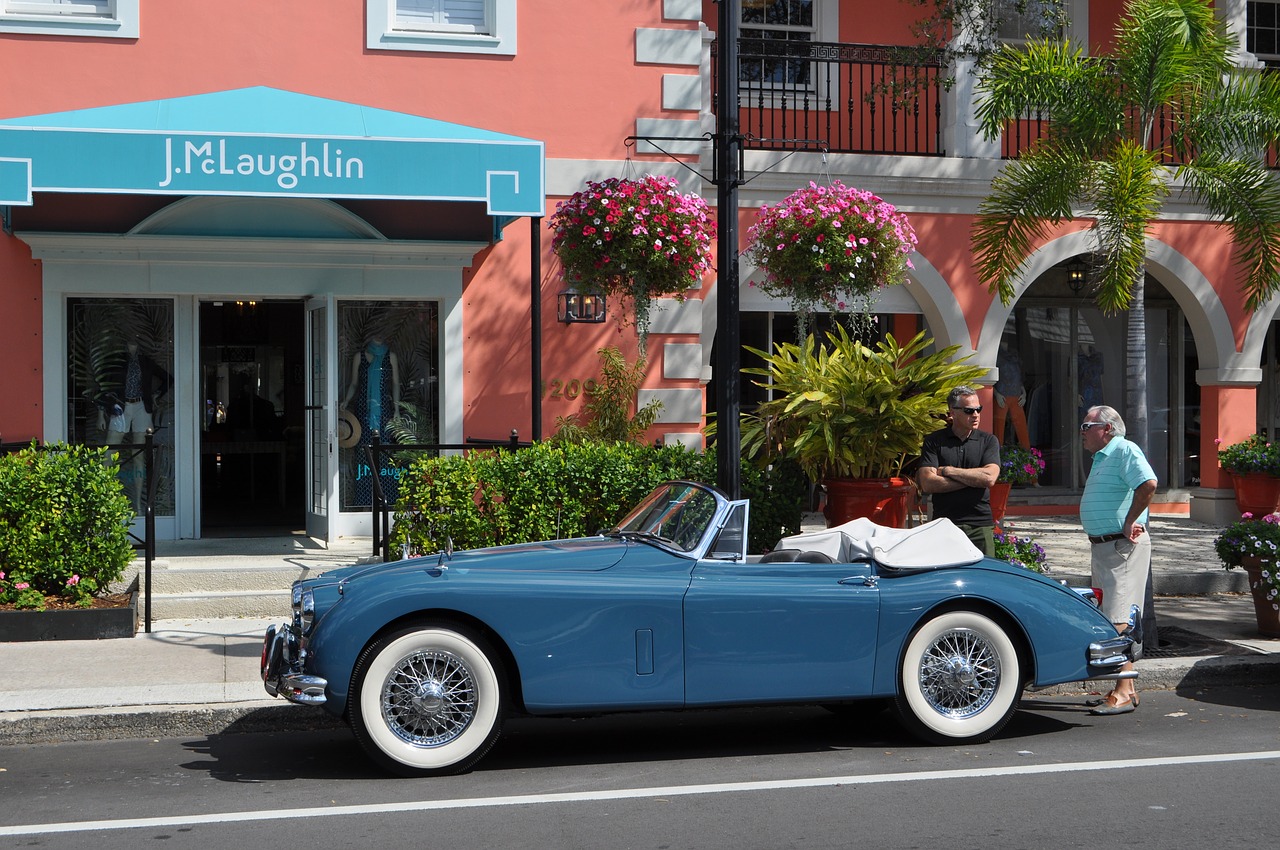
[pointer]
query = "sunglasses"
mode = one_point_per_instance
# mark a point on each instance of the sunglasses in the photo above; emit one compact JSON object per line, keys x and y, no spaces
{"x":969,"y":410}
{"x":1085,"y":426}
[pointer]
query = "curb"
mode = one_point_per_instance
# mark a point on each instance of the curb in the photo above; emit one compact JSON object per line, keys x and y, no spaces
{"x":167,"y":721}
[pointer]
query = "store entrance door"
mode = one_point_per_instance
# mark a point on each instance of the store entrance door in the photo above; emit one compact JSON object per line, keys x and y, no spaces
{"x":252,"y":389}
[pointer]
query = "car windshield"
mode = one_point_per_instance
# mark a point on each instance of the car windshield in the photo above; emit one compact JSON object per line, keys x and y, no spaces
{"x":676,"y":515}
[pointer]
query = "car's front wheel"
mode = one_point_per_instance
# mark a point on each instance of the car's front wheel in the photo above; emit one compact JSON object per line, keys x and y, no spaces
{"x":960,"y":679}
{"x":428,"y":701}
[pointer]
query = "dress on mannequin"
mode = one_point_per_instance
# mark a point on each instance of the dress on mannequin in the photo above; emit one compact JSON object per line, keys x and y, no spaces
{"x":373,"y":395}
{"x":129,"y":409}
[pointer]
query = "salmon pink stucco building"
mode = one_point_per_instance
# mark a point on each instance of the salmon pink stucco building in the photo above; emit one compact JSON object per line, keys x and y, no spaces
{"x":269,"y":232}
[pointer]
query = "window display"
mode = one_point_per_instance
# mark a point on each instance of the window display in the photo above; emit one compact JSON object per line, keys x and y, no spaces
{"x":119,"y":386}
{"x":388,"y":355}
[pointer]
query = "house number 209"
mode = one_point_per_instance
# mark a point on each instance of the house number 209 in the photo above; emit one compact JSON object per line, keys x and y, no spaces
{"x":568,"y":390}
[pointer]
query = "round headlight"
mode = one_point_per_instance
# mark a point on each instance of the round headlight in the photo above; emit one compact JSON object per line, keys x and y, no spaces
{"x":307,"y":610}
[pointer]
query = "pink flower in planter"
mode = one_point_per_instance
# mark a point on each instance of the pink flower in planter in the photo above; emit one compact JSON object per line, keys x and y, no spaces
{"x":22,"y":585}
{"x":73,"y":581}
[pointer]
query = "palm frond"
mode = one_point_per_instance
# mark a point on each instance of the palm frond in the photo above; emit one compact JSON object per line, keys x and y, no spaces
{"x":1027,"y":197}
{"x":1247,"y":199}
{"x":1128,"y":191}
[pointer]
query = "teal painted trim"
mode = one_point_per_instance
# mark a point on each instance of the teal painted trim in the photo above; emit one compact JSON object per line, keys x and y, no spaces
{"x":15,"y":182}
{"x":500,"y":223}
{"x":267,"y":143}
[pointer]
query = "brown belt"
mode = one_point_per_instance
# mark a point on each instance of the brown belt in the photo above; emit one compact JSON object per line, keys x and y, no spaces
{"x":1105,"y":538}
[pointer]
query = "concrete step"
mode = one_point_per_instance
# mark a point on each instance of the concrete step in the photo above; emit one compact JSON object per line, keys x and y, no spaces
{"x":203,"y":606}
{"x":249,"y":577}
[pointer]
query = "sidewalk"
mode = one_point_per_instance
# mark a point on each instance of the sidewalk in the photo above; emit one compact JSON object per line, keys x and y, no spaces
{"x":200,"y":677}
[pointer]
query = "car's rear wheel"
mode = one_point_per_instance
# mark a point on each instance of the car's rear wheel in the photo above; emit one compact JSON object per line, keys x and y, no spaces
{"x":959,"y":680}
{"x":428,"y":701}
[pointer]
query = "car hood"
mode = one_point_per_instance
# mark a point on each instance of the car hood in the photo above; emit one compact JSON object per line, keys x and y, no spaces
{"x":584,"y":554}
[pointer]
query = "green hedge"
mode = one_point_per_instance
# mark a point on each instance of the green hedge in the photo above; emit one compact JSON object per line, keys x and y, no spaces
{"x":64,"y":524}
{"x":555,"y":490}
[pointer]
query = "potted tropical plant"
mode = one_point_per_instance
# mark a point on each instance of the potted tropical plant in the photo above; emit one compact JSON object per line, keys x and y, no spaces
{"x":1254,"y":544}
{"x":1254,"y":464}
{"x":830,"y":247}
{"x":633,"y":238}
{"x":1018,"y":465}
{"x":852,"y":414}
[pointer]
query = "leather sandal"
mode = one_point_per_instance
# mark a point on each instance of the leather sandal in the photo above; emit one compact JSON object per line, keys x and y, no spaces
{"x":1107,"y":707}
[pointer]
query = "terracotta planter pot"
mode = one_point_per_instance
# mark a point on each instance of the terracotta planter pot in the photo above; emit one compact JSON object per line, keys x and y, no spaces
{"x":884,"y":501}
{"x":1268,"y":616}
{"x":999,"y":500}
{"x":1256,"y":493}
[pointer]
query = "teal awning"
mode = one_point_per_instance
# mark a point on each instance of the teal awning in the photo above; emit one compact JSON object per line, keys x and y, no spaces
{"x":266,"y":142}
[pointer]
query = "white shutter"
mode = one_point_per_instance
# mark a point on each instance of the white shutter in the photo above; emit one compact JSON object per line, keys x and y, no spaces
{"x":97,"y":8}
{"x":452,"y":15}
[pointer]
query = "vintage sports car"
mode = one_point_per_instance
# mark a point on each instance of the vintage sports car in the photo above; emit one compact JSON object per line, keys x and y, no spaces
{"x":426,"y":656}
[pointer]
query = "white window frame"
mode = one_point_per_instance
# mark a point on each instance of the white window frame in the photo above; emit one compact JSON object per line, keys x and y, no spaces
{"x":382,"y":33}
{"x":70,"y":18}
{"x":826,"y":28}
{"x":1269,"y":58}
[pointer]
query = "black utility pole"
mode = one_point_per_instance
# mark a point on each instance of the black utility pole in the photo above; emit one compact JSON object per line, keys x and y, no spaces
{"x":728,"y":144}
{"x":535,"y":317}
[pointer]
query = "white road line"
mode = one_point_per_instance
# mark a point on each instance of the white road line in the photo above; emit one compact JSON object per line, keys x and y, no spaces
{"x":625,"y":794}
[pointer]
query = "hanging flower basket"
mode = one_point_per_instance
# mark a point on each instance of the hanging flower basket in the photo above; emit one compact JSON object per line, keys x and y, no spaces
{"x":634,"y":238}
{"x":830,"y":246}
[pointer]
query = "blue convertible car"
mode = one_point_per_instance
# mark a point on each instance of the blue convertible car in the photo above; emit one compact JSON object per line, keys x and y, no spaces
{"x":425,"y":657}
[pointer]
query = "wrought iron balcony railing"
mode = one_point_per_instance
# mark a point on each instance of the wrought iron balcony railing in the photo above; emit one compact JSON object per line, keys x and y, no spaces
{"x":851,"y":98}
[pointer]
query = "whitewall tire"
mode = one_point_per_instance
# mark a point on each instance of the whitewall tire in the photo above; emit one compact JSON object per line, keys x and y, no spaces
{"x":959,"y":680}
{"x":428,"y":701}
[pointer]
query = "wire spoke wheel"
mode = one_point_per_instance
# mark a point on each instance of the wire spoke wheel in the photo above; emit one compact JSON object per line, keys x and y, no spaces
{"x":959,"y":673}
{"x":429,"y":698}
{"x":428,"y":701}
{"x":959,"y":680}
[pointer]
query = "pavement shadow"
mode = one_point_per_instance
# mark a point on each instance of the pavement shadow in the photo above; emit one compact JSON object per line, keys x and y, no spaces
{"x":1252,"y":697}
{"x":532,"y":743}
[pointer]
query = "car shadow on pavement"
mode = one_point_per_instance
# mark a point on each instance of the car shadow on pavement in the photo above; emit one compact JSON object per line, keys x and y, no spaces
{"x":532,"y":743}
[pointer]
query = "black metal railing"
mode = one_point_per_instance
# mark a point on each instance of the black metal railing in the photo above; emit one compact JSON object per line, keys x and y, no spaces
{"x":382,"y":455}
{"x":849,"y":98}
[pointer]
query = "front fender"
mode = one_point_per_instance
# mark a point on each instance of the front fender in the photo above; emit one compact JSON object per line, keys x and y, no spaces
{"x":1054,"y":622}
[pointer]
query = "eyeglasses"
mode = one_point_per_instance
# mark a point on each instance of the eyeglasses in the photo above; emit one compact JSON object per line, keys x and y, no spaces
{"x":969,"y":410}
{"x":1085,"y":426}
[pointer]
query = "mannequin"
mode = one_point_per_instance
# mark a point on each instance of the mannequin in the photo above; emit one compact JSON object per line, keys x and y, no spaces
{"x":373,"y":395}
{"x":129,"y":408}
{"x":375,"y":374}
{"x":1010,"y":395}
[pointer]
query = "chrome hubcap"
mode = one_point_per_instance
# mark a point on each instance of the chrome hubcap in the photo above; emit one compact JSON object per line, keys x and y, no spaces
{"x":959,"y":673}
{"x":429,"y":698}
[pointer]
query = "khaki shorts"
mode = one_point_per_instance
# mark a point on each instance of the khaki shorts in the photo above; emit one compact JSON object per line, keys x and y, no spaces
{"x":1120,"y":568}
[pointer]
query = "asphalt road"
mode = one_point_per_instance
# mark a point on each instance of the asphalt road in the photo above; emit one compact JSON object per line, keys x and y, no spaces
{"x":1178,"y":772}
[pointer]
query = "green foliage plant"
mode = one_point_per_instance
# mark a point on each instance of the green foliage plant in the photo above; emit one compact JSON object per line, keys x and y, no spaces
{"x":562,"y":490}
{"x":849,"y":410}
{"x":606,"y":415}
{"x":64,"y":524}
{"x":1253,"y":454}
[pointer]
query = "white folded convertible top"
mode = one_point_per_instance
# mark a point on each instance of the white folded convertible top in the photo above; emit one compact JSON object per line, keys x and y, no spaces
{"x":935,"y":544}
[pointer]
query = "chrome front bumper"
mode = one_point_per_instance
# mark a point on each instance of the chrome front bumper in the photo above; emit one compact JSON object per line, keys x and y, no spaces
{"x":282,"y":668}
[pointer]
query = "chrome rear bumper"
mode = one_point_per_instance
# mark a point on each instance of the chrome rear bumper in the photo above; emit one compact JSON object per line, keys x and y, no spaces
{"x":282,"y":669}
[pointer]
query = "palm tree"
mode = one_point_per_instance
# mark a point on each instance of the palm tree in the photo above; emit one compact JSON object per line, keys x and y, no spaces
{"x":1170,"y":69}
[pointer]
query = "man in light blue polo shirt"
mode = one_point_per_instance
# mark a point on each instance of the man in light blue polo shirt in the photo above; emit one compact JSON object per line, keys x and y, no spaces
{"x":1113,"y":511}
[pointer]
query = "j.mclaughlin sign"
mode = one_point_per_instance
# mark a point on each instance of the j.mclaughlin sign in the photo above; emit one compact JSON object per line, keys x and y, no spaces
{"x":242,"y":158}
{"x":506,"y":174}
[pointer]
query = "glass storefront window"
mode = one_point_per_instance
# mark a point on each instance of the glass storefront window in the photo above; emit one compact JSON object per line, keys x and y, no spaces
{"x":388,"y":359}
{"x":1070,"y":357}
{"x":119,"y":385}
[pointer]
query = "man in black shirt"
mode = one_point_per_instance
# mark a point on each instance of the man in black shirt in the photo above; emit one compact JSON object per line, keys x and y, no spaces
{"x":958,"y":465}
